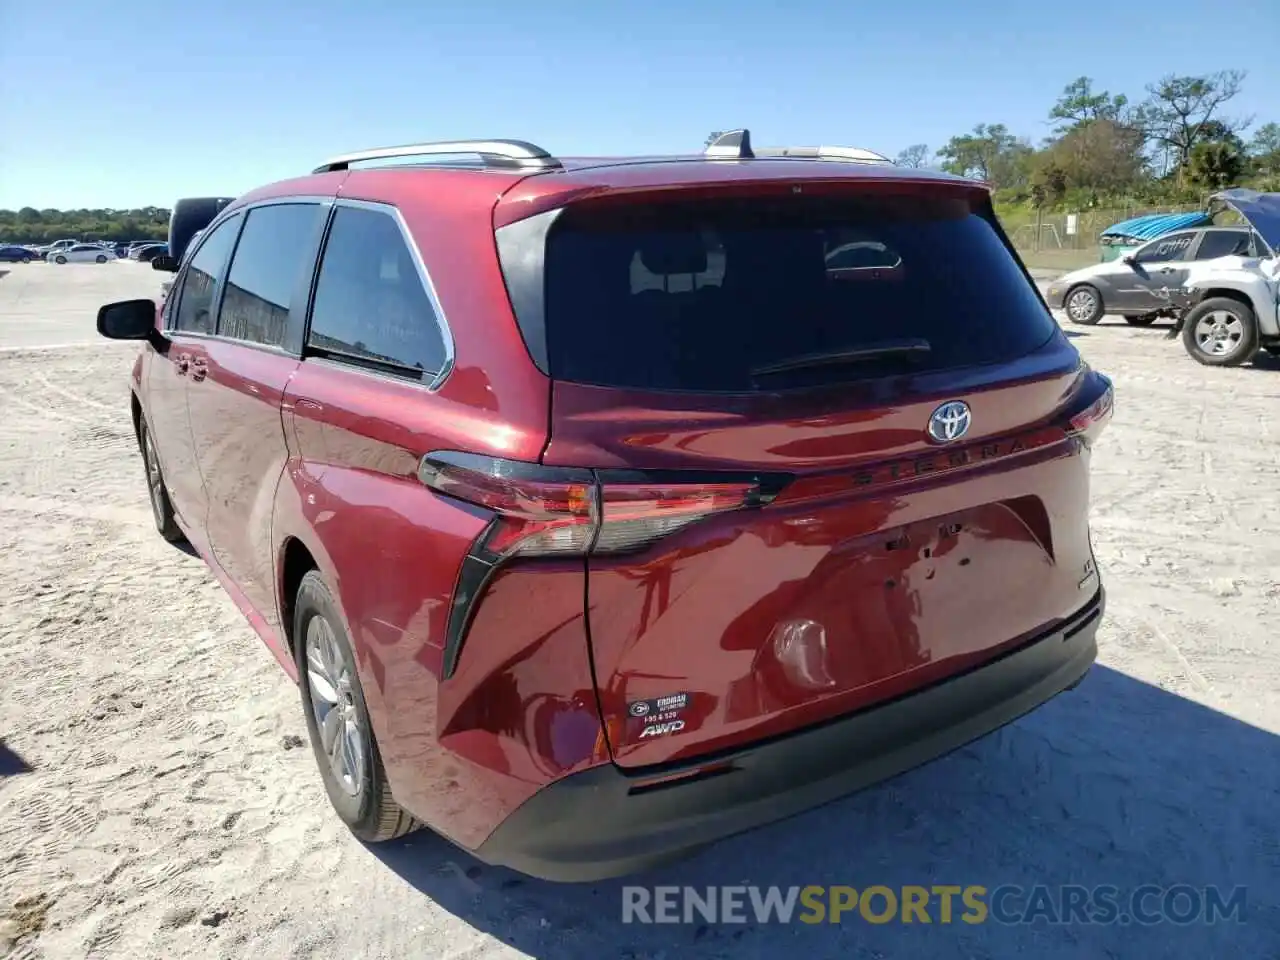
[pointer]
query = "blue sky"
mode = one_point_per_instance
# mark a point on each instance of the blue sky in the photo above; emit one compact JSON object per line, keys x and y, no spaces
{"x":130,"y":103}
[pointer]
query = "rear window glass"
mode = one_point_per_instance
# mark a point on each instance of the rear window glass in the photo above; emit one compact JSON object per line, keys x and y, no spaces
{"x":704,"y":296}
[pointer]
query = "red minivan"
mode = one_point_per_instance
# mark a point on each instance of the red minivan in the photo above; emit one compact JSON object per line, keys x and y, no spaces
{"x":605,"y":508}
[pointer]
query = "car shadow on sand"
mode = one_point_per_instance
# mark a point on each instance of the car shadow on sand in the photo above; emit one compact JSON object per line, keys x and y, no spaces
{"x":1267,"y":362}
{"x":11,"y":763}
{"x":1117,"y":783}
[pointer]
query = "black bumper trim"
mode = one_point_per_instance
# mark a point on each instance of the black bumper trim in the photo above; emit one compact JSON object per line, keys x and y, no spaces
{"x":595,"y":824}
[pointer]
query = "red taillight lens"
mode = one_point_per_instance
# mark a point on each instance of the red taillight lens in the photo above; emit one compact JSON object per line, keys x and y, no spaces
{"x":551,"y":511}
{"x":539,"y":511}
{"x":632,"y":515}
{"x":1090,"y":421}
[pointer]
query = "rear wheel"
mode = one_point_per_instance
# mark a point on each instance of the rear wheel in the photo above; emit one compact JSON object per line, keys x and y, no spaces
{"x":161,"y":508}
{"x":1221,"y":332}
{"x":1084,"y":305}
{"x":338,"y":719}
{"x":1140,"y":320}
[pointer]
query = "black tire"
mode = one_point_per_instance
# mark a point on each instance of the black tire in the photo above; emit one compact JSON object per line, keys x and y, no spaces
{"x":1237,"y":331}
{"x":59,"y":259}
{"x":189,"y":215}
{"x":1273,"y":349}
{"x":1140,"y":321}
{"x":157,"y":493}
{"x":26,"y":259}
{"x":1084,"y":294}
{"x":371,"y":813}
{"x":99,"y":259}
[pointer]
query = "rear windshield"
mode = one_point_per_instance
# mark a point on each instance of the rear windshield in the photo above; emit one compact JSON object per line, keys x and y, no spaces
{"x":708,"y":295}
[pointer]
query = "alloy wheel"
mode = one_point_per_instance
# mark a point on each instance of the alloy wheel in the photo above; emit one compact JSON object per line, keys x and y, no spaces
{"x":155,"y":480}
{"x":1218,"y":333}
{"x":333,"y":705}
{"x":1081,"y":305}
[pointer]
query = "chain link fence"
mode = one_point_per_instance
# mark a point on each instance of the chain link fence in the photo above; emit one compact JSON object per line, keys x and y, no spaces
{"x":1070,"y":240}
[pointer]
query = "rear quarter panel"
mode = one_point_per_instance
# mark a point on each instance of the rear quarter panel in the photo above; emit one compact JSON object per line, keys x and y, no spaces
{"x":520,"y":709}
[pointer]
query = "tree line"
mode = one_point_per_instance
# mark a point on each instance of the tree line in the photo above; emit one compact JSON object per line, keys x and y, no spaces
{"x":33,"y":226}
{"x":1174,"y":145}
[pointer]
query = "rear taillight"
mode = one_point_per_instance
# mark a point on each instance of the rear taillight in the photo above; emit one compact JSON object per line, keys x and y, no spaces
{"x":541,"y":511}
{"x":553,"y":511}
{"x":1093,"y":409}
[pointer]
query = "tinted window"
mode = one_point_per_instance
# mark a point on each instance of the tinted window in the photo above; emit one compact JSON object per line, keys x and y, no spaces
{"x":371,"y":306}
{"x":1172,"y":247}
{"x":1223,"y":243}
{"x":734,"y":286}
{"x":195,"y":306}
{"x":266,"y":270}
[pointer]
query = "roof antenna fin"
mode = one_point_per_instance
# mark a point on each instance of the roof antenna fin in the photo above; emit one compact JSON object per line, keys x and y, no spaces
{"x":733,"y":145}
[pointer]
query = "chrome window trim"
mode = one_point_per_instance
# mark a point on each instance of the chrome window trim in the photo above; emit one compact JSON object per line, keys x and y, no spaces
{"x":428,"y":285}
{"x":226,"y":213}
{"x":180,"y":278}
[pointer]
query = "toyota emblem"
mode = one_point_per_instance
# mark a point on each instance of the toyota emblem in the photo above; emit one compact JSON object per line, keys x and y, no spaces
{"x":950,"y":421}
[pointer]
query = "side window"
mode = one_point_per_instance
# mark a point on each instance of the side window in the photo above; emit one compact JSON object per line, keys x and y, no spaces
{"x":1223,"y":243}
{"x":1172,"y":247}
{"x":266,"y":269}
{"x":200,"y":282}
{"x":371,"y":307}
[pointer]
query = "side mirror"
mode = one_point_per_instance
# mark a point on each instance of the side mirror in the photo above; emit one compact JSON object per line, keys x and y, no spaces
{"x":1129,"y":258}
{"x":165,"y":262}
{"x":128,"y":320}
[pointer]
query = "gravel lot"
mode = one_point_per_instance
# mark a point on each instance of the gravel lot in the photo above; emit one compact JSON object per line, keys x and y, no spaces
{"x":155,"y":800}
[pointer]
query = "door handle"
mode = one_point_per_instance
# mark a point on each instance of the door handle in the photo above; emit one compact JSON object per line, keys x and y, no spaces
{"x":199,"y":368}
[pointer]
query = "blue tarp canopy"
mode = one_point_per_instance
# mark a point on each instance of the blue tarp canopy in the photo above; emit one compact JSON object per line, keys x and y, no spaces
{"x":1141,"y":229}
{"x":1261,"y":210}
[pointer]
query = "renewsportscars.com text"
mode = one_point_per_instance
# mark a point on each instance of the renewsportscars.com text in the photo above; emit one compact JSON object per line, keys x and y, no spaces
{"x":938,"y":903}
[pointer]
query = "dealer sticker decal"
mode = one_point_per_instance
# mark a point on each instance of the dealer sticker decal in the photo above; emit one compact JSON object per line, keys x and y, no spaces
{"x":661,"y":715}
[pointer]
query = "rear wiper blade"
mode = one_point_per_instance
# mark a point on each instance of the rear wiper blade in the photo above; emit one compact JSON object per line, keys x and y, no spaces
{"x":880,"y":350}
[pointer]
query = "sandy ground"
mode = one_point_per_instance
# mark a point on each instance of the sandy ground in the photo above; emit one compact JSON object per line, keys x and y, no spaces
{"x":156,"y":801}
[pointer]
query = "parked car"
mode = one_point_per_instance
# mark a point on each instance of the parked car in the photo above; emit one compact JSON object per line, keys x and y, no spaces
{"x":150,"y":252}
{"x":591,"y":519}
{"x":12,"y":253}
{"x":82,"y":253}
{"x":1230,"y":307}
{"x":48,"y":250}
{"x":1137,"y":285}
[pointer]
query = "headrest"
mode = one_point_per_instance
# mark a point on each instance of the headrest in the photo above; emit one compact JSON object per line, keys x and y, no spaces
{"x":677,"y":252}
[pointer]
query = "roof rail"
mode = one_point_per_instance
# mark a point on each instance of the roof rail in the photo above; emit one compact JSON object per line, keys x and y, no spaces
{"x":736,"y":145}
{"x":500,"y":154}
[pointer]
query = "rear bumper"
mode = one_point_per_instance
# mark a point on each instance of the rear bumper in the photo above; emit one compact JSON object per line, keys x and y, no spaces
{"x":605,"y":822}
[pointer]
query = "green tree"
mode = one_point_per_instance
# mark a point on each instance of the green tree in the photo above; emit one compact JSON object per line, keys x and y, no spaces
{"x":1215,"y":164}
{"x":29,"y":225}
{"x":989,"y":153}
{"x":1264,"y":149}
{"x":1099,"y":155}
{"x":1079,"y":104}
{"x":1049,"y":183}
{"x":1178,"y":111}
